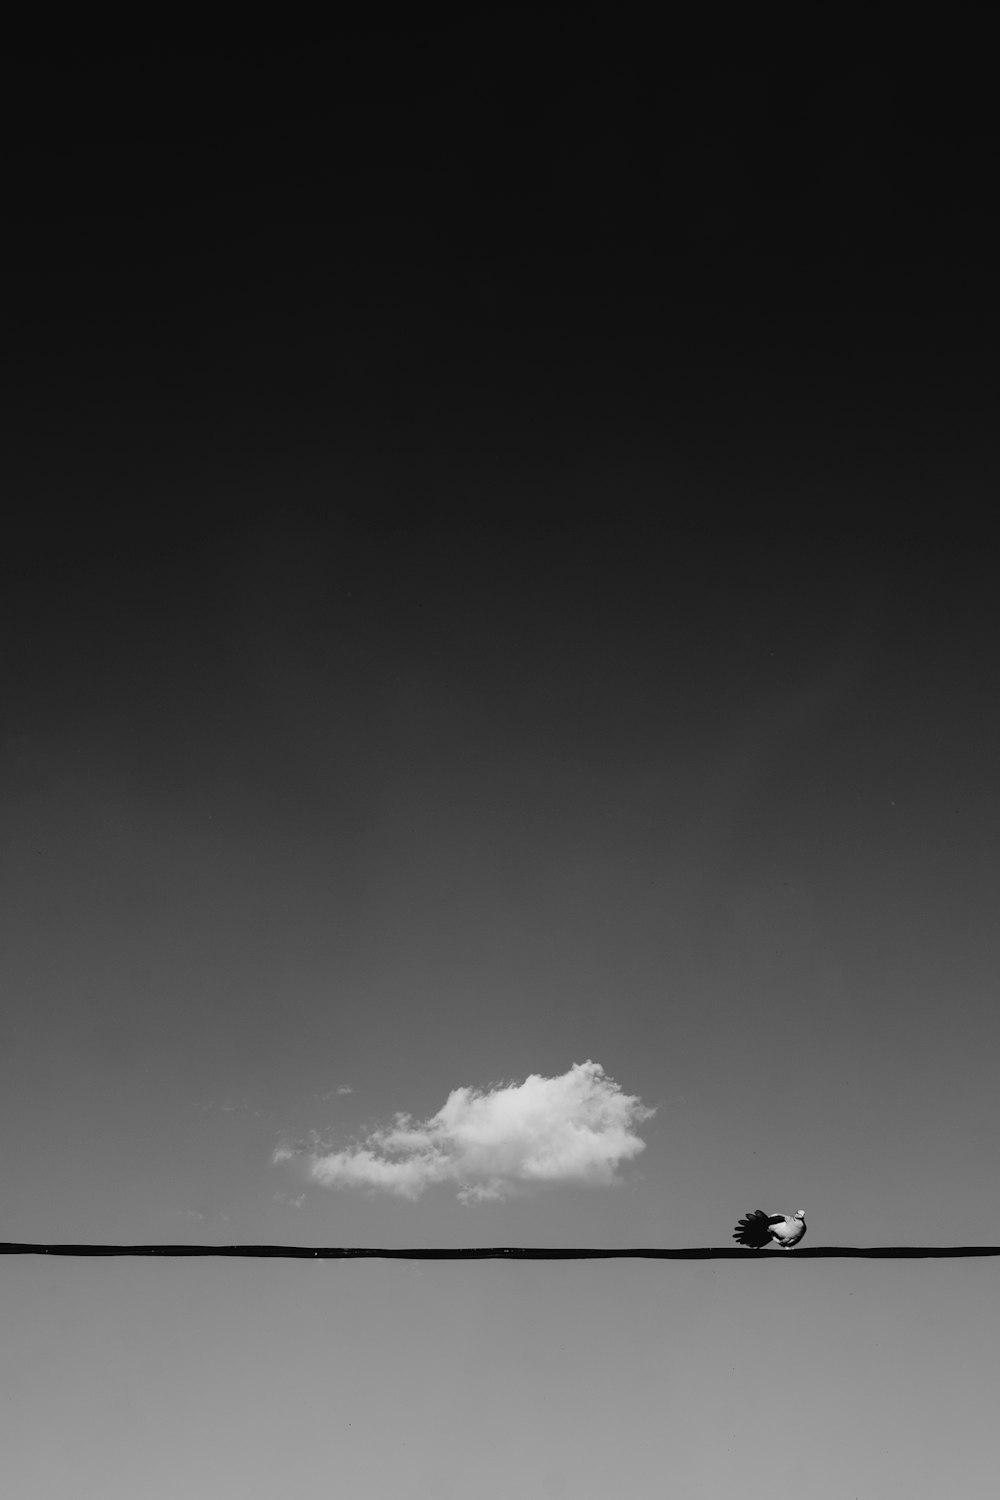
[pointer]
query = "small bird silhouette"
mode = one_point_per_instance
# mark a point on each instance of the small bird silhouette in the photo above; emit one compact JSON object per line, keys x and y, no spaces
{"x":759,"y":1229}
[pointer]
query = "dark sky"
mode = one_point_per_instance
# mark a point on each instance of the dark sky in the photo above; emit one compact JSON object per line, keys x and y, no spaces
{"x":482,"y":257}
{"x":499,"y":574}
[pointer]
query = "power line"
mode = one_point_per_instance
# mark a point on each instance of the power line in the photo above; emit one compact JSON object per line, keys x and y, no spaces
{"x":511,"y":1252}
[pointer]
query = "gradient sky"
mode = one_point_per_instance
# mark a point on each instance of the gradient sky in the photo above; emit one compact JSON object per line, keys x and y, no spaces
{"x":502,"y":578}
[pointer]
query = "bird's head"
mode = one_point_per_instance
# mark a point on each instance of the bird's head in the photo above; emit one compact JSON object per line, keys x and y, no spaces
{"x":800,"y":1213}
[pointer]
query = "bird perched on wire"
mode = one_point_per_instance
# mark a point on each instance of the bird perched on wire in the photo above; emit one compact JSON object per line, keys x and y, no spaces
{"x":759,"y":1229}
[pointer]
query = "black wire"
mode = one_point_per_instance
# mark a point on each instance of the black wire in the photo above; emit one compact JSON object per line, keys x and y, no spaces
{"x":508,"y":1252}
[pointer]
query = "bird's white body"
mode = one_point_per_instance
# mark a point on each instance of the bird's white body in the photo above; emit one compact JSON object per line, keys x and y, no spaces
{"x":789,"y":1231}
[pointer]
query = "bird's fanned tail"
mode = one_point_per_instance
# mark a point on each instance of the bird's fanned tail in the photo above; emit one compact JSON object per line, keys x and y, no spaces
{"x":754,"y":1230}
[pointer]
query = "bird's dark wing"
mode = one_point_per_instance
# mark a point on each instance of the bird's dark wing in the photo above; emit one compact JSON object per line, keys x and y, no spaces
{"x":754,"y":1231}
{"x":776,"y":1218}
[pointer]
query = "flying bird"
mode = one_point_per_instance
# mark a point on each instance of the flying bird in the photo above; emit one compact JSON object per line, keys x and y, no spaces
{"x":759,"y":1229}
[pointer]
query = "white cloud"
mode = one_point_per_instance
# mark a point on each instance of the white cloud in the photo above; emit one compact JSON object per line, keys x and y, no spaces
{"x":491,"y":1143}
